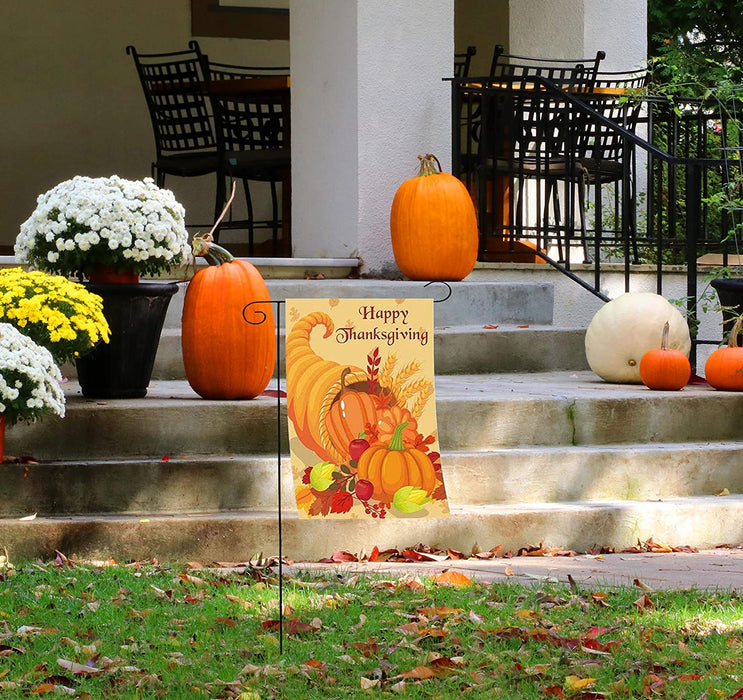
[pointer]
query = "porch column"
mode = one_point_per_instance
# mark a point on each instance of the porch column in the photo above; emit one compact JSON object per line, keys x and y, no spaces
{"x":367,"y":98}
{"x":579,"y":28}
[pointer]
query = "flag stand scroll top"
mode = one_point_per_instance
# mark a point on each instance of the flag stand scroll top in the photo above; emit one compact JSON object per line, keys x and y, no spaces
{"x":361,"y":406}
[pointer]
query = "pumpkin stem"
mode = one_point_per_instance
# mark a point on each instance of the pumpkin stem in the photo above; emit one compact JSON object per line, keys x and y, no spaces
{"x":733,"y":339}
{"x":664,"y":338}
{"x":203,"y":246}
{"x":429,"y":165}
{"x":396,"y":442}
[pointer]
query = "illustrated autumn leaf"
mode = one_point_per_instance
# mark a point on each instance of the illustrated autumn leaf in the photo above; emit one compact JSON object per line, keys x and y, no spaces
{"x":342,"y":502}
{"x":322,"y":503}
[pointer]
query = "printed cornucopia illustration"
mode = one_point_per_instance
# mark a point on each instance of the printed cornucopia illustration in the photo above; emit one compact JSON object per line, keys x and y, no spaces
{"x":361,"y":408}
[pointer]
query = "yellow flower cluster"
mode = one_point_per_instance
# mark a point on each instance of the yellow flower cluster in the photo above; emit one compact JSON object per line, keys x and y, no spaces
{"x":53,"y":311}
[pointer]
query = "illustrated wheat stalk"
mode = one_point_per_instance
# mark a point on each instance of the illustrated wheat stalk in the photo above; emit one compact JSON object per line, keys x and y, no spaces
{"x":424,"y":393}
{"x":403,"y":375}
{"x":388,"y":367}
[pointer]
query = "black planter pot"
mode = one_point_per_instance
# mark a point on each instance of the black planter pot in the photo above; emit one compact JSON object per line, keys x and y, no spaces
{"x":135,"y":313}
{"x":730,"y":293}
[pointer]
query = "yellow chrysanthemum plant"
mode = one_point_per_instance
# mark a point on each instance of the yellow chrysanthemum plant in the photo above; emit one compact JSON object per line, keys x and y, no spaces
{"x":56,"y":313}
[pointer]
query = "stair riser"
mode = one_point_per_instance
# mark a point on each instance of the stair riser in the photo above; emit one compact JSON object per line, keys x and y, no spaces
{"x":193,"y":485}
{"x":703,"y":523}
{"x":470,"y":303}
{"x":98,"y":430}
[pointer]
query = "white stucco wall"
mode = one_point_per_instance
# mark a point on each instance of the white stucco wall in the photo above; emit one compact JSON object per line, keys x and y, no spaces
{"x":619,"y":29}
{"x":580,"y":28}
{"x":357,"y":156}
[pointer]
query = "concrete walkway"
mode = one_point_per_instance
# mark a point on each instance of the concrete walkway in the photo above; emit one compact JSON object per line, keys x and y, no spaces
{"x":704,"y":570}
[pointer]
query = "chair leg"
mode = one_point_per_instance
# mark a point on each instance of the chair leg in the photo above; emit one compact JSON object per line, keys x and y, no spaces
{"x":275,"y":218}
{"x":249,"y":203}
{"x":219,"y":202}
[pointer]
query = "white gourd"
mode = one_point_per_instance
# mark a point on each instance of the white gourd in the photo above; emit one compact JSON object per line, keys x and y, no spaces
{"x":625,"y":328}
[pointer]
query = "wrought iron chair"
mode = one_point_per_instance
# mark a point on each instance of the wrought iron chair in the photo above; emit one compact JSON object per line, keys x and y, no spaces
{"x":525,"y":135}
{"x":174,"y":89}
{"x":462,"y":62}
{"x":599,"y":157}
{"x":252,"y":130}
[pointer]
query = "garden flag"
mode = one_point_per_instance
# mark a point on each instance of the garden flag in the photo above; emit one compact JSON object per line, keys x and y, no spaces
{"x":361,"y":408}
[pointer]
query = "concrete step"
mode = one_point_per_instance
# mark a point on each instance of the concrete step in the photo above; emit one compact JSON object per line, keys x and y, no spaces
{"x":704,"y":522}
{"x":475,"y":412}
{"x":457,"y":350}
{"x":191,"y":484}
{"x":470,"y":303}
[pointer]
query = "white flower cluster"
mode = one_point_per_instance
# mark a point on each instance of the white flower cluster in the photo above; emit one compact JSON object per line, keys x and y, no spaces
{"x":29,"y":378}
{"x":135,"y":218}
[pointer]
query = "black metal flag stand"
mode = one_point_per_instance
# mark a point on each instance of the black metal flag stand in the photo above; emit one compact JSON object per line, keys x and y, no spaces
{"x":260,"y":317}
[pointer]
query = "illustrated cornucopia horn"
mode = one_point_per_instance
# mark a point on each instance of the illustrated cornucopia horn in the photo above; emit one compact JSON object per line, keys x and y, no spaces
{"x":309,"y":378}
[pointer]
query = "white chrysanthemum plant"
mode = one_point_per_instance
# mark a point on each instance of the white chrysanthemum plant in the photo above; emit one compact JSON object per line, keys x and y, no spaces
{"x":30,"y":381}
{"x":85,"y":224}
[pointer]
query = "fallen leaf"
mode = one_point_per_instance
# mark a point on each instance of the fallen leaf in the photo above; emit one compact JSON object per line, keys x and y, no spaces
{"x":508,"y":571}
{"x":79,"y":669}
{"x":419,"y":673}
{"x":642,"y":603}
{"x":577,"y":683}
{"x":369,"y":683}
{"x":724,"y":492}
{"x":641,"y":585}
{"x":452,"y":578}
{"x":28,"y":517}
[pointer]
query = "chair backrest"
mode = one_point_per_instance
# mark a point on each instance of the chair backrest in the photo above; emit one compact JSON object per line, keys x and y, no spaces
{"x":535,"y":120}
{"x":566,"y":72}
{"x":462,"y":62}
{"x":616,"y":96}
{"x":245,"y":119}
{"x":175,"y":92}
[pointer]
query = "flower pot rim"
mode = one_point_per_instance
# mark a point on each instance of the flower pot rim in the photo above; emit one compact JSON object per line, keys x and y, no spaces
{"x":132,"y":289}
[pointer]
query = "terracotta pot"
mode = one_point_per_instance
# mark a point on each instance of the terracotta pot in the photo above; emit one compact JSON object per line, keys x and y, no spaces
{"x":105,"y":274}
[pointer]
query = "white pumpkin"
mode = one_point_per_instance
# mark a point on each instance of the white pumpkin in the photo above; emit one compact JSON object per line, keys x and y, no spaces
{"x":624,"y":329}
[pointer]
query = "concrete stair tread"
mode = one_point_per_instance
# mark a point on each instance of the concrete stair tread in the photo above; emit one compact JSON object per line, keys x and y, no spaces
{"x":569,"y":384}
{"x":703,"y":522}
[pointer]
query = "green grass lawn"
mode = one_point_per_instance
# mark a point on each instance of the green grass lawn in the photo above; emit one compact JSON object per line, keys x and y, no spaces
{"x":147,"y":631}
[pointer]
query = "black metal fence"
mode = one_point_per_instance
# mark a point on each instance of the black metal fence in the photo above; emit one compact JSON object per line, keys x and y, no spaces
{"x":592,"y":176}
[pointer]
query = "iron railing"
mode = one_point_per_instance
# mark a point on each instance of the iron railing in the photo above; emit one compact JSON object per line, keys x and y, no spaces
{"x":555,"y":180}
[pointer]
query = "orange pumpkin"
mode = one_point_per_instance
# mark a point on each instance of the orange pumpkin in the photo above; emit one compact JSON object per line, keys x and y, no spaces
{"x":665,"y":369}
{"x":349,"y":416}
{"x":433,"y":225}
{"x":226,"y":356}
{"x":724,"y":367}
{"x":389,"y":418}
{"x":389,"y":468}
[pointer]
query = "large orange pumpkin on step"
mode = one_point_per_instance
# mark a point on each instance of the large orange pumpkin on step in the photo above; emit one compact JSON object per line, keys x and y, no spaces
{"x":433,"y":225}
{"x":392,"y":467}
{"x":724,"y":367}
{"x":227,"y":355}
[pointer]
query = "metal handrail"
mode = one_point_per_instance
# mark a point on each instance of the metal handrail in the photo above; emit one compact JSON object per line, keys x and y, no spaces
{"x":465,"y":109}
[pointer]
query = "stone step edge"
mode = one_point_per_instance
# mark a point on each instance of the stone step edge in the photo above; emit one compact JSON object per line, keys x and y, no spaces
{"x":212,"y":458}
{"x":700,"y":522}
{"x":289,"y":512}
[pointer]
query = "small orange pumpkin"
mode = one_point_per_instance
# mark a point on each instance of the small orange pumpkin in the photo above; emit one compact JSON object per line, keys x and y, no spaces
{"x":434,"y":225}
{"x":348,"y":416}
{"x":665,"y":369}
{"x":724,"y":367}
{"x":224,"y":356}
{"x":389,"y":468}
